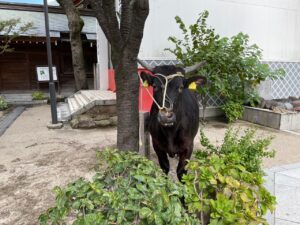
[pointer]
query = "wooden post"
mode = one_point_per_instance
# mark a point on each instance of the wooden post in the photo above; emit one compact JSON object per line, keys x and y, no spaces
{"x":144,"y":141}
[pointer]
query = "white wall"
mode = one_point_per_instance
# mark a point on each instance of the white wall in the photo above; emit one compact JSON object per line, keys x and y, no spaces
{"x":102,"y":65}
{"x":272,"y":24}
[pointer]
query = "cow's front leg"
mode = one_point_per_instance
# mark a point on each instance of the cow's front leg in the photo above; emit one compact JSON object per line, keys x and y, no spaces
{"x":183,"y":157}
{"x":162,"y":158}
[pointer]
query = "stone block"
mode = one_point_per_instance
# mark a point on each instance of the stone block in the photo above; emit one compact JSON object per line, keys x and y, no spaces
{"x":114,"y":120}
{"x":83,"y":121}
{"x":98,"y":110}
{"x":54,"y":125}
{"x":87,"y":124}
{"x":296,"y":104}
{"x":101,"y":117}
{"x":103,"y":123}
{"x":288,"y":106}
{"x":74,"y":123}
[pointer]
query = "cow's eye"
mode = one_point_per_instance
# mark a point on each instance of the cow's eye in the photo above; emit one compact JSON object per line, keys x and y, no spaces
{"x":180,"y":89}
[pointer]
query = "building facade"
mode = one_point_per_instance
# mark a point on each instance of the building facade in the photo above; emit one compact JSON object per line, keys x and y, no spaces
{"x":272,"y":24}
{"x":18,"y":68}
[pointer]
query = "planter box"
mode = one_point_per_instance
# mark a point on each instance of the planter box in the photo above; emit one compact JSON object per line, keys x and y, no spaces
{"x":211,"y":112}
{"x":268,"y":118}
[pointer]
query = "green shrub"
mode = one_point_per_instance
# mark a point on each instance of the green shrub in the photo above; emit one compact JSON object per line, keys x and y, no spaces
{"x":130,"y":190}
{"x":225,"y":183}
{"x":3,"y":104}
{"x":233,"y":67}
{"x":38,"y":95}
{"x":233,"y":110}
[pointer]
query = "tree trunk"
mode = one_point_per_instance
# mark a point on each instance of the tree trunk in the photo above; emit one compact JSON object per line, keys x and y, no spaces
{"x":75,"y":25}
{"x":125,"y":35}
{"x":127,"y":83}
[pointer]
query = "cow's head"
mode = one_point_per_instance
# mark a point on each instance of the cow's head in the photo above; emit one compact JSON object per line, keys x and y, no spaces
{"x":169,"y":84}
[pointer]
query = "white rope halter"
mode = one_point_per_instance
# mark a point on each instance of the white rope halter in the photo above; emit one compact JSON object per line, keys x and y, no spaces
{"x":167,"y":79}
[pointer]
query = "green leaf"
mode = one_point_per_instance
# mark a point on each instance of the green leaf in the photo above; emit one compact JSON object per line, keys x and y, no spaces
{"x":145,"y":212}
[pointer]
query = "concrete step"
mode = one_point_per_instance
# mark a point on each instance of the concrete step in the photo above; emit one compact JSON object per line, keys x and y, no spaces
{"x":73,"y":105}
{"x":84,"y":100}
{"x":101,"y":97}
{"x":17,"y":97}
{"x":81,"y":99}
{"x":88,"y":95}
{"x":63,"y":112}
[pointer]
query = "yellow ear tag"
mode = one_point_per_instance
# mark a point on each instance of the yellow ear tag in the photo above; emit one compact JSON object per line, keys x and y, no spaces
{"x":145,"y":84}
{"x":193,"y":86}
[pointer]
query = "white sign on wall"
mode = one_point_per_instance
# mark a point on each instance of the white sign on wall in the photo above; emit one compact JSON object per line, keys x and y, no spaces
{"x":43,"y":73}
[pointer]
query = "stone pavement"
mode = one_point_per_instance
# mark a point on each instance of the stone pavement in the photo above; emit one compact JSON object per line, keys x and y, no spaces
{"x":8,"y":119}
{"x":284,"y":183}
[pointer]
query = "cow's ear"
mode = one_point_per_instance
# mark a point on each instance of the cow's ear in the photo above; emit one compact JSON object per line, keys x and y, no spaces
{"x":194,"y":82}
{"x":147,"y":79}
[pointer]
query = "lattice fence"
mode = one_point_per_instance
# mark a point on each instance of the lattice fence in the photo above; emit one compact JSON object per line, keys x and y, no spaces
{"x":212,"y":101}
{"x":289,"y":85}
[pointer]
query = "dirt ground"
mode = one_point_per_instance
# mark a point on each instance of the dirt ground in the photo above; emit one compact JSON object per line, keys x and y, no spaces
{"x":34,"y":159}
{"x":286,"y":145}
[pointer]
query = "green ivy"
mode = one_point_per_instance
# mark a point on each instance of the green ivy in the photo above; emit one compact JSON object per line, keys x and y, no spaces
{"x":3,"y":104}
{"x":129,"y":189}
{"x":233,"y":67}
{"x":225,"y":183}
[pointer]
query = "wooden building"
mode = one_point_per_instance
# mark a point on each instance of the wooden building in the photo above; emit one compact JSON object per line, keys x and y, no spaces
{"x":18,"y":68}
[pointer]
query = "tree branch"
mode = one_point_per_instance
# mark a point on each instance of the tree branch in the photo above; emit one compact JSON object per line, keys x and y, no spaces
{"x":126,"y":18}
{"x":105,"y":12}
{"x":75,"y":22}
{"x":140,"y":12}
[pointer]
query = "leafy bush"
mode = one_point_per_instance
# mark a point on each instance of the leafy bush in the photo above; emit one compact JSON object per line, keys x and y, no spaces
{"x":225,"y":183}
{"x":130,"y":190}
{"x":233,"y":110}
{"x":38,"y":95}
{"x":3,"y":104}
{"x":233,"y":66}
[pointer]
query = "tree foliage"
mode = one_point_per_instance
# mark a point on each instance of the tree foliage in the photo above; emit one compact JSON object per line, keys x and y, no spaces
{"x":11,"y":29}
{"x":234,"y":67}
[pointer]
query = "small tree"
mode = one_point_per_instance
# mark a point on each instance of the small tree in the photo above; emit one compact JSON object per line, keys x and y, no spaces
{"x":9,"y":30}
{"x":75,"y":24}
{"x":233,"y":67}
{"x":124,"y":31}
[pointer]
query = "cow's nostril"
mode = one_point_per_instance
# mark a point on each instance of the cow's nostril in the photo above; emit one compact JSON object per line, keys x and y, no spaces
{"x":169,"y":114}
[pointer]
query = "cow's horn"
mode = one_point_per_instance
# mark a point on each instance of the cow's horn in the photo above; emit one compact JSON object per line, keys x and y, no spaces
{"x":145,"y":65}
{"x":195,"y":67}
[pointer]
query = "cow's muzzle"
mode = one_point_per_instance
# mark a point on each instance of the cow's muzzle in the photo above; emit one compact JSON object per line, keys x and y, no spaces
{"x":166,"y":117}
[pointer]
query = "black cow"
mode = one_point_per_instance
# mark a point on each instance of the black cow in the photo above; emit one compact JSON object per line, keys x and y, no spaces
{"x":174,"y":119}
